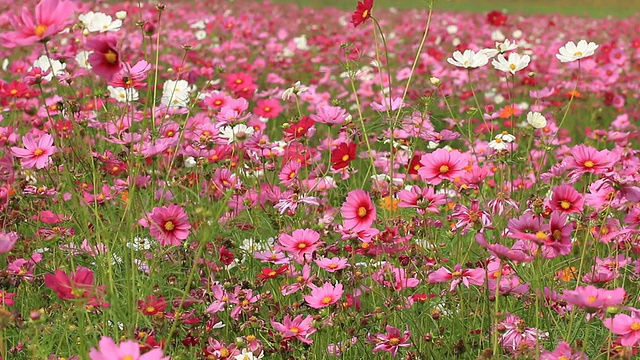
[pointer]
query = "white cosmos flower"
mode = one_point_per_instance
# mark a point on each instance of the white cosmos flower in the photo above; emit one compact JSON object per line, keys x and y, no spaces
{"x":501,"y":48}
{"x":239,"y":132}
{"x":99,"y":22}
{"x":296,"y":89}
{"x":501,"y":140}
{"x":572,"y":52}
{"x":512,"y":65}
{"x":83,"y":59}
{"x":469,"y":59}
{"x":45,"y":63}
{"x":123,"y":95}
{"x":175,"y":93}
{"x":536,"y":120}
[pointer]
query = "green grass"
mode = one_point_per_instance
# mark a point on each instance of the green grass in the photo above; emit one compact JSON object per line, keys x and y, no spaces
{"x":595,"y":8}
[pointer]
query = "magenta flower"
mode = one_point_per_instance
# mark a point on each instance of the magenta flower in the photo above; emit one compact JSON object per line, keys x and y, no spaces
{"x":392,"y":341}
{"x":625,"y":325}
{"x":566,"y":199}
{"x":298,"y":328}
{"x":105,"y":59}
{"x":38,"y":151}
{"x":588,"y":159}
{"x":169,"y":225}
{"x":394,"y":278}
{"x":466,"y":276}
{"x":129,"y":350}
{"x":267,"y":108}
{"x":300,"y":243}
{"x":358,"y":211}
{"x":442,"y":165}
{"x":76,"y":285}
{"x":593,"y":298}
{"x":324,"y":296}
{"x":7,"y":241}
{"x":50,"y":18}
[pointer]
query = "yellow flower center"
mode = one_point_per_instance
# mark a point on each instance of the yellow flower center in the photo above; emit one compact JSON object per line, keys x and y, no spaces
{"x":345,"y":157}
{"x":591,"y":299}
{"x":540,"y":235}
{"x":588,"y":164}
{"x":444,"y":169}
{"x":635,"y":326}
{"x":302,"y":246}
{"x":394,"y":341}
{"x":292,"y":175}
{"x":224,"y":353}
{"x":333,"y":266}
{"x":267,"y":109}
{"x":14,"y":91}
{"x":38,"y":152}
{"x":365,"y":13}
{"x":169,"y":226}
{"x":577,"y":53}
{"x":151,"y":309}
{"x":565,"y":204}
{"x":40,"y":29}
{"x":127,"y":357}
{"x":294,"y":330}
{"x":362,"y":211}
{"x":512,"y":66}
{"x":326,"y":300}
{"x":111,"y":57}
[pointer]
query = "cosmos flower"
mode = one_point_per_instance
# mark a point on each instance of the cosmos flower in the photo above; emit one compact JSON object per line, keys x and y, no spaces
{"x":105,"y":59}
{"x":572,"y":52}
{"x":362,"y":12}
{"x":358,"y":211}
{"x":50,"y":18}
{"x":129,"y":350}
{"x":169,"y":224}
{"x":324,"y":296}
{"x":511,"y":65}
{"x":468,"y":60}
{"x":37,"y":152}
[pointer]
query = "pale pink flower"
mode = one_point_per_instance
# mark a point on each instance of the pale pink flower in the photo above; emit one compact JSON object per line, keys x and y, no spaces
{"x":625,"y":325}
{"x":392,"y":341}
{"x":50,"y":18}
{"x":466,"y":276}
{"x":38,"y":151}
{"x":332,"y":265}
{"x":302,"y":243}
{"x":442,"y":165}
{"x":129,"y":350}
{"x":298,"y":328}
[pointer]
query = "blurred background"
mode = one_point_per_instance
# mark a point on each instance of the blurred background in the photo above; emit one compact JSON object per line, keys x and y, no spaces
{"x":595,"y":8}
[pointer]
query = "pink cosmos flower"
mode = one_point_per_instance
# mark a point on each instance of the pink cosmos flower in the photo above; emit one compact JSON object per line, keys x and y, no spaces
{"x":298,"y":328}
{"x":105,"y":59}
{"x":129,"y":350}
{"x":358,"y":211}
{"x":267,"y":108}
{"x":466,"y":276}
{"x":516,"y":333}
{"x":394,"y":278}
{"x":169,"y":225}
{"x":332,"y":265}
{"x":302,"y":243}
{"x":442,"y":165}
{"x":392,"y":341}
{"x":324,"y":296}
{"x":587,"y":159}
{"x":76,"y":285}
{"x":50,"y":18}
{"x":594,"y":298}
{"x":425,"y":200}
{"x":7,"y":241}
{"x":131,"y":76}
{"x":38,"y":151}
{"x":625,"y":325}
{"x":330,"y":115}
{"x":566,"y":199}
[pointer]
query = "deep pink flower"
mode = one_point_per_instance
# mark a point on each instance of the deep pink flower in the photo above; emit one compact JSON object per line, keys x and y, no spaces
{"x":594,"y":298}
{"x":392,"y":341}
{"x":466,"y":276}
{"x":442,"y":165}
{"x":358,"y":211}
{"x":76,"y":285}
{"x":298,"y":328}
{"x":625,"y":325}
{"x":324,"y":296}
{"x":169,"y":224}
{"x":6,"y":298}
{"x":566,"y":199}
{"x":38,"y":150}
{"x":558,"y":240}
{"x":50,"y":18}
{"x":129,"y":350}
{"x":131,"y":76}
{"x":516,"y":333}
{"x":394,"y":278}
{"x":267,"y":108}
{"x":105,"y":59}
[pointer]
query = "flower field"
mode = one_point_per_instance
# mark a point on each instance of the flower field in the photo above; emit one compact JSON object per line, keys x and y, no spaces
{"x":243,"y":180}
